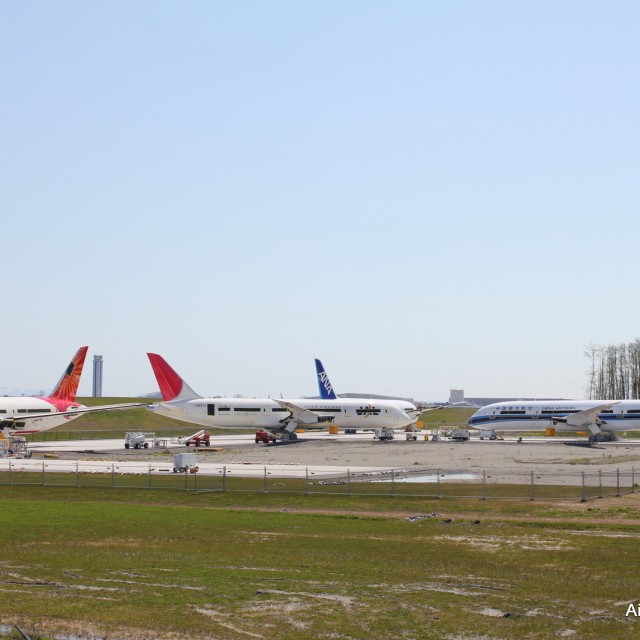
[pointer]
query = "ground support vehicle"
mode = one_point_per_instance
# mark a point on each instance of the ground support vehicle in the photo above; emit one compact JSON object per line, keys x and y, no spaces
{"x":183,"y":462}
{"x":264,"y":436}
{"x":603,"y":436}
{"x":14,"y":447}
{"x":383,"y":434}
{"x":199,"y":438}
{"x":459,"y":435}
{"x":139,"y":440}
{"x":488,"y":435}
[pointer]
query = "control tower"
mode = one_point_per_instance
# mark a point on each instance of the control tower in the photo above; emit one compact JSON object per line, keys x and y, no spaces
{"x":97,"y":376}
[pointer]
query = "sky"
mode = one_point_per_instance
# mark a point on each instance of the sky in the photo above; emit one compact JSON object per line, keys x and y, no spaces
{"x":425,"y":195}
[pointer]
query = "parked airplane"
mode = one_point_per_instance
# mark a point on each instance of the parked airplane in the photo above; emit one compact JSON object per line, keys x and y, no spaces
{"x":29,"y":414}
{"x":327,"y":393}
{"x":600,"y":417}
{"x":181,"y":402}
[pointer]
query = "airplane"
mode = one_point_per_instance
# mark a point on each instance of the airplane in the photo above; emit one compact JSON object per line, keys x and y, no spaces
{"x":21,"y":415}
{"x":600,"y":417}
{"x":327,"y":393}
{"x":283,"y":417}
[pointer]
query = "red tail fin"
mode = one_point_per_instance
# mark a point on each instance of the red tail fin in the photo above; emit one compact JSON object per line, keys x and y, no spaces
{"x":172,"y":386}
{"x":67,"y":386}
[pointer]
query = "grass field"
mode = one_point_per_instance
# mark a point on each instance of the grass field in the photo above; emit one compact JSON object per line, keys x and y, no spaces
{"x":158,"y":565}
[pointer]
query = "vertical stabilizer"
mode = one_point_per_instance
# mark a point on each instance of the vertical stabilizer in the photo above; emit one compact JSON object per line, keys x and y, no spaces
{"x":67,"y":386}
{"x":172,"y":386}
{"x":326,"y":390}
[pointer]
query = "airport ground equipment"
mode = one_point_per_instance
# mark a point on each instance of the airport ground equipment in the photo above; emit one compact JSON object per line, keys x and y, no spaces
{"x":603,"y":436}
{"x":183,"y":462}
{"x":14,"y":447}
{"x":264,"y":436}
{"x":411,"y":435}
{"x":459,"y":435}
{"x":139,"y":440}
{"x":199,"y":438}
{"x":383,"y":434}
{"x":488,"y":435}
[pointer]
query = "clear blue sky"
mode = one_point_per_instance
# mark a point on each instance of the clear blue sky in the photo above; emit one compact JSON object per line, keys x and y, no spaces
{"x":423,"y":194}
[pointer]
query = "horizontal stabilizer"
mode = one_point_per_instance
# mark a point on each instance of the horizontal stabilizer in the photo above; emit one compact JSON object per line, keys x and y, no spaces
{"x":26,"y":421}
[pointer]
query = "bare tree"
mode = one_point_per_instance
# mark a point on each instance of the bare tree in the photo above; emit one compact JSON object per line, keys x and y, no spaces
{"x":614,"y":371}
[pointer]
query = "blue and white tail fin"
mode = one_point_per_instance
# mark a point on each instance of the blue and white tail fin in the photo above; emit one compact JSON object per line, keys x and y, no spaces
{"x":326,"y":390}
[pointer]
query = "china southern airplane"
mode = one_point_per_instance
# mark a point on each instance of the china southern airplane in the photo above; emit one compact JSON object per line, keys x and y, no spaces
{"x":181,"y":402}
{"x":327,"y":393}
{"x":600,"y":417}
{"x":29,"y":414}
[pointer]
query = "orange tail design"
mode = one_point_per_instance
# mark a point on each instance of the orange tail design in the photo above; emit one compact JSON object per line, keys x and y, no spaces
{"x":67,"y":386}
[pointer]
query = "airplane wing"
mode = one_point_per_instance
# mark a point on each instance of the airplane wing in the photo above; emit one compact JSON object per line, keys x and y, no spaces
{"x":586,"y":418}
{"x":34,"y":418}
{"x":302,"y":415}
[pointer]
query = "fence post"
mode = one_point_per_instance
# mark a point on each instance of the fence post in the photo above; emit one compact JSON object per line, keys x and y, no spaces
{"x":633,"y":479}
{"x":533,"y":488}
{"x":149,"y":478}
{"x":265,"y":488}
{"x":10,"y":483}
{"x":393,"y":482}
{"x":484,"y":484}
{"x":349,"y":481}
{"x":618,"y":494}
{"x":77,"y":475}
{"x":113,"y":475}
{"x":195,"y":480}
{"x":584,"y":493}
{"x":224,"y":478}
{"x":600,"y":483}
{"x":439,"y":495}
{"x":44,"y":482}
{"x":306,"y":482}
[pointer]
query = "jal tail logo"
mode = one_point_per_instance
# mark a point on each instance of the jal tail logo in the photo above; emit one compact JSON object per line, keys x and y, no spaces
{"x":324,"y":378}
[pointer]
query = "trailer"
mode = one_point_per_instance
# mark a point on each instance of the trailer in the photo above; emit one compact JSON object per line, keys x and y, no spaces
{"x":459,"y":435}
{"x":383,"y":434}
{"x":183,"y":462}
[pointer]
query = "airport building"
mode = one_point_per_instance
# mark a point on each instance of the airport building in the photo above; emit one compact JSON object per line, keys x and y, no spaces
{"x":97,"y":376}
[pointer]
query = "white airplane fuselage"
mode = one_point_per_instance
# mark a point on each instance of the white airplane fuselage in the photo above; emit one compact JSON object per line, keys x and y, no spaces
{"x":537,"y":415}
{"x":258,"y":413}
{"x":50,"y":408}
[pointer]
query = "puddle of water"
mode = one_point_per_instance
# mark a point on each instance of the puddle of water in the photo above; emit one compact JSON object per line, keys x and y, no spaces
{"x":433,"y":478}
{"x":6,"y":629}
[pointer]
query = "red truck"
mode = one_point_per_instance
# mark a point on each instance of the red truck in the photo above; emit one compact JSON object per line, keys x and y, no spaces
{"x":198,"y":439}
{"x":264,"y":436}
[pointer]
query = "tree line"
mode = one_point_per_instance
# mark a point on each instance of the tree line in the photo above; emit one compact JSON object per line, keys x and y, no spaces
{"x":614,"y":371}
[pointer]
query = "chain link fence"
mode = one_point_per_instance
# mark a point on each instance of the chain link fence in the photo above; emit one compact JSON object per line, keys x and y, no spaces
{"x":429,"y":483}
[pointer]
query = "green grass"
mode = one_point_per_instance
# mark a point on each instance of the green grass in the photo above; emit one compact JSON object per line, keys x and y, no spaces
{"x":140,"y":564}
{"x":448,"y":417}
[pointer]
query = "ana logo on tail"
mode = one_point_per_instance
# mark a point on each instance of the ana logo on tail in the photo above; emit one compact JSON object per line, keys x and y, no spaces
{"x":326,"y":390}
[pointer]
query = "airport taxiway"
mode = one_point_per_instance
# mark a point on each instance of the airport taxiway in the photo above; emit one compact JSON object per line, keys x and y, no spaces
{"x":325,"y":455}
